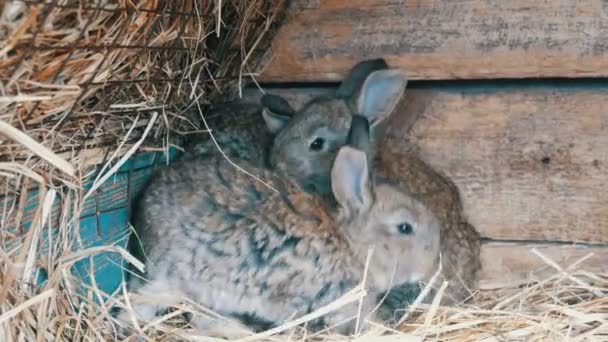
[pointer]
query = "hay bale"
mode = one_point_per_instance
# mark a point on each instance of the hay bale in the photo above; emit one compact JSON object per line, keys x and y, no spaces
{"x":78,"y":77}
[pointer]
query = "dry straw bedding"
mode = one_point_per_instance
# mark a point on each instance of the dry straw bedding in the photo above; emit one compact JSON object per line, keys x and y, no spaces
{"x":87,"y":83}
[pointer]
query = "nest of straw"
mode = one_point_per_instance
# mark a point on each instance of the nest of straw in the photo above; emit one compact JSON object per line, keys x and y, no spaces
{"x":82,"y":77}
{"x":87,"y":83}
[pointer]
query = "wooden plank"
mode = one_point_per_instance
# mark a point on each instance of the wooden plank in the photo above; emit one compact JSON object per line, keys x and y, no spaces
{"x":514,"y":264}
{"x":530,"y":163}
{"x":9,"y":206}
{"x":104,"y":218}
{"x":110,"y":195}
{"x":443,"y":39}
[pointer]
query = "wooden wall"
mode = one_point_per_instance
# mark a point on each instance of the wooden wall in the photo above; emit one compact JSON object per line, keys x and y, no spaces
{"x":443,"y":39}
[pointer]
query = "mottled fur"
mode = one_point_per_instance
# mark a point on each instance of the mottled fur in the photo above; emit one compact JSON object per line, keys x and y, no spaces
{"x":232,"y":244}
{"x":238,"y":130}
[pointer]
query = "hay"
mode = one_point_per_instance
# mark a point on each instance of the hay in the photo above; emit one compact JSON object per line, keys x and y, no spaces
{"x":555,"y":308}
{"x":92,"y":82}
{"x":87,"y":83}
{"x":76,"y":76}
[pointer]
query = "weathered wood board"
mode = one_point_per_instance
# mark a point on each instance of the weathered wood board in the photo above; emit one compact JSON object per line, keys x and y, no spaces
{"x":443,"y":39}
{"x":112,"y":194}
{"x":530,"y":163}
{"x":514,"y":264}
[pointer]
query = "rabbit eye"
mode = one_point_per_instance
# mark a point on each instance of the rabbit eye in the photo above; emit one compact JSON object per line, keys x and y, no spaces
{"x":317,"y":144}
{"x":405,"y":228}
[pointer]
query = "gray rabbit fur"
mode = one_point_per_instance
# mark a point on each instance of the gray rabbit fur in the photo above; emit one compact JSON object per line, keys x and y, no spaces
{"x":219,"y":237}
{"x":238,"y":130}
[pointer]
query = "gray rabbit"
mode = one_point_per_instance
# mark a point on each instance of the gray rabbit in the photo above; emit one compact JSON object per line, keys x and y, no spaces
{"x":239,"y":132}
{"x":217,"y":236}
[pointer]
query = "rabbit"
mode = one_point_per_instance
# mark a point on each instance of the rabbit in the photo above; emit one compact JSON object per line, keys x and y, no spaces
{"x":370,"y":84}
{"x":461,"y":243}
{"x":239,"y":132}
{"x":233,"y":244}
{"x":306,"y":142}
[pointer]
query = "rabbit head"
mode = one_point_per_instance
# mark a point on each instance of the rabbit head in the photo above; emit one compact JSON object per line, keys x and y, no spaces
{"x":402,"y":232}
{"x":307,"y":140}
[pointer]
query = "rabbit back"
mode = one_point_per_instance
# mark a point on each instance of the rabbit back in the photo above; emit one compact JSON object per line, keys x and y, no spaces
{"x":238,"y":130}
{"x":232,"y":244}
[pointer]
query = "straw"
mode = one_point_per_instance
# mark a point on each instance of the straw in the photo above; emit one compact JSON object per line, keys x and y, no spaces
{"x":82,"y":85}
{"x":36,"y":148}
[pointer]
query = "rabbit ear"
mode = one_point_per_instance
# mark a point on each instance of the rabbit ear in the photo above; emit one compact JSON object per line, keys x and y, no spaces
{"x":359,"y":133}
{"x":350,"y":180}
{"x":274,"y":122}
{"x":380,"y":94}
{"x":357,"y":76}
{"x":276,"y":112}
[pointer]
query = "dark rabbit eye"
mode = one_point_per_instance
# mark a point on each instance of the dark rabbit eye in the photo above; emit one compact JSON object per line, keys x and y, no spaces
{"x":317,"y":144}
{"x":405,"y":228}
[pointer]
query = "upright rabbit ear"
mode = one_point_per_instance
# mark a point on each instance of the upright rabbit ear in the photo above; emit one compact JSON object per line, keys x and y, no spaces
{"x":357,"y":76}
{"x":380,"y":94}
{"x":276,"y":112}
{"x":350,"y":180}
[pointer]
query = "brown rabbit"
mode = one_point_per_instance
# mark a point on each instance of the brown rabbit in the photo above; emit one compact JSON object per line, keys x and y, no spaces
{"x":460,"y":242}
